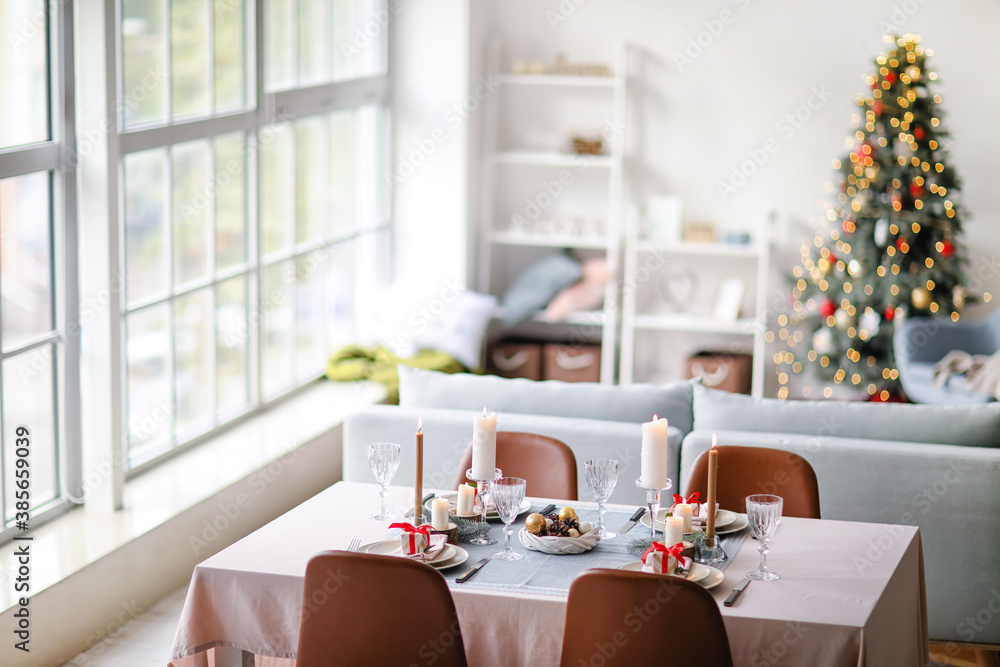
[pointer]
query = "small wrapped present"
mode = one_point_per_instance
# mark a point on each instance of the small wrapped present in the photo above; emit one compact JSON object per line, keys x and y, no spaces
{"x":419,"y":542}
{"x":661,"y":559}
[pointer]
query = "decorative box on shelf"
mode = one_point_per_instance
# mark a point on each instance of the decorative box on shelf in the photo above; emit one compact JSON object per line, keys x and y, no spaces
{"x":515,"y":359}
{"x":722,"y":370}
{"x":572,"y":363}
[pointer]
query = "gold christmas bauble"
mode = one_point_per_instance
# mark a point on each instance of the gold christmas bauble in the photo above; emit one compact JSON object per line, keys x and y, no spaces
{"x":958,"y":297}
{"x":535,"y":524}
{"x":843,"y":319}
{"x":816,"y":274}
{"x":824,"y":265}
{"x":567,"y":513}
{"x":920,"y":297}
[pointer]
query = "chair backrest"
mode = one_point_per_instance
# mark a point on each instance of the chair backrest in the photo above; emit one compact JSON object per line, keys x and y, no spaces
{"x":744,"y":471}
{"x":364,"y":609}
{"x":546,"y":464}
{"x":625,"y":618}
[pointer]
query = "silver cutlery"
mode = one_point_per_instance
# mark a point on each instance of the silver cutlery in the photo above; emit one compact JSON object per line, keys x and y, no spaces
{"x":353,"y":546}
{"x":471,"y":571}
{"x":548,"y":508}
{"x":631,"y":522}
{"x":736,"y":593}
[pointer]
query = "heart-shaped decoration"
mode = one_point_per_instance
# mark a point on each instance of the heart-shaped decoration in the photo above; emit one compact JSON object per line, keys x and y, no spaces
{"x":679,"y":288}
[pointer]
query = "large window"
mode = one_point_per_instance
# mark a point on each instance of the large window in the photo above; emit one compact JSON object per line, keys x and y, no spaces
{"x":247,"y":138}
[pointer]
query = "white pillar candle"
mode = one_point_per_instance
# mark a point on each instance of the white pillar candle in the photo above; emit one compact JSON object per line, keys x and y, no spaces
{"x":439,"y":513}
{"x":484,"y":446}
{"x":673,"y":530}
{"x":466,"y":498}
{"x":653,"y":457}
{"x":685,"y":512}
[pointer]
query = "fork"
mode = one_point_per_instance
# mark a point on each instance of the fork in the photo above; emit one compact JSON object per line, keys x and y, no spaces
{"x":355,"y":543}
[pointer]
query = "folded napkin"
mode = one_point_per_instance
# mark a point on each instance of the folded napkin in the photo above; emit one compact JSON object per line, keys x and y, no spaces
{"x":701,"y":517}
{"x":661,"y":559}
{"x":418,"y":543}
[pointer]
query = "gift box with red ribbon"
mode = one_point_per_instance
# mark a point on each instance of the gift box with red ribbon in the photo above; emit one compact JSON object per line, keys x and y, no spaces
{"x":413,"y":539}
{"x":661,"y":559}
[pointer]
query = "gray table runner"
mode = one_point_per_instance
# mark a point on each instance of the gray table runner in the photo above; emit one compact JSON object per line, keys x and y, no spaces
{"x":547,"y":574}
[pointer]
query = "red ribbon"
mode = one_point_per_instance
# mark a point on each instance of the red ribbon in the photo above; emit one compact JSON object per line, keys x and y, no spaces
{"x":675,"y":551}
{"x":690,"y":500}
{"x":412,"y":531}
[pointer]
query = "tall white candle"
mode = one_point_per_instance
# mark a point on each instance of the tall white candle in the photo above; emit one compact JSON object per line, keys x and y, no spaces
{"x":466,"y":500}
{"x":685,"y":512}
{"x":439,"y":513}
{"x":653,"y":458}
{"x":673,"y":530}
{"x":484,"y":446}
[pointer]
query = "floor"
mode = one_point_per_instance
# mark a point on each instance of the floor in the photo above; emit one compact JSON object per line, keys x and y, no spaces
{"x":144,"y":642}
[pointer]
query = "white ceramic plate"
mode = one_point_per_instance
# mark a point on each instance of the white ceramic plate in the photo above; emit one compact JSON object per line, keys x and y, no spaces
{"x":735,"y":527}
{"x":709,"y":576}
{"x":723,"y":518}
{"x":450,"y":556}
{"x":491,"y":512}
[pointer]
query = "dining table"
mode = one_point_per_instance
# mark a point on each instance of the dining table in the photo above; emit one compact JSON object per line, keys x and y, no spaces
{"x":849,"y":593}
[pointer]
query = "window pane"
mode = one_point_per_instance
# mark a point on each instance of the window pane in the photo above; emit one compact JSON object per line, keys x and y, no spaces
{"x":189,"y":66}
{"x":276,"y":188}
{"x":24,"y":108}
{"x":310,"y":352}
{"x":339,"y":297}
{"x":28,"y":400}
{"x":311,"y":158}
{"x":145,"y":228}
{"x":232,"y":386}
{"x":230,"y":84}
{"x":279,"y":57}
{"x":367,"y":165}
{"x":192,"y":233}
{"x":148,"y":394}
{"x":342,"y":170}
{"x":25,"y":257}
{"x":278,"y":327}
{"x":144,"y":49}
{"x":312,"y":41}
{"x":193,"y":373}
{"x":230,"y":201}
{"x":359,"y":38}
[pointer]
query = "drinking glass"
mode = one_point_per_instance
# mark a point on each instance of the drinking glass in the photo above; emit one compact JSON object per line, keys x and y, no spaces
{"x":508,"y":493}
{"x":602,"y":475}
{"x":764,"y":513}
{"x":383,"y":457}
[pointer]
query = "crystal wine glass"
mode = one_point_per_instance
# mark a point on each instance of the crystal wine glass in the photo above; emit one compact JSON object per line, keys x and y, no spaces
{"x":764,"y":513}
{"x":383,"y":457}
{"x":602,"y":475}
{"x":508,"y":493}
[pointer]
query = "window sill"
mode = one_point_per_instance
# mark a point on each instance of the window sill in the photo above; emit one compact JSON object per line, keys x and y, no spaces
{"x":256,"y":449}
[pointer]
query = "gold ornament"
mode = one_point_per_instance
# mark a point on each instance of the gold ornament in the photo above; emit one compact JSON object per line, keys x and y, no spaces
{"x":567,"y":513}
{"x":824,"y":265}
{"x":920,"y":297}
{"x":816,"y":274}
{"x":843,"y":319}
{"x":535,"y":524}
{"x":958,"y":297}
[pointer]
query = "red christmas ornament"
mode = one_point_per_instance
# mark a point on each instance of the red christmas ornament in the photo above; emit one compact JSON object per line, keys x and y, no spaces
{"x":891,"y":77}
{"x":919,"y":132}
{"x":890,"y":313}
{"x":947,"y":248}
{"x":916,"y":190}
{"x":827,"y":308}
{"x":900,"y":242}
{"x":877,"y":108}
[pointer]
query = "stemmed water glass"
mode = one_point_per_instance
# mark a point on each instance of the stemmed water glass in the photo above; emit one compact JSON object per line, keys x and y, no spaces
{"x":508,"y":493}
{"x":602,"y":475}
{"x":383,"y":457}
{"x":764,"y":514}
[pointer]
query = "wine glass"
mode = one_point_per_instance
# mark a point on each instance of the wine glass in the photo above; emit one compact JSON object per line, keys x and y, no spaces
{"x":383,"y":457}
{"x":764,"y":513}
{"x":508,"y":493}
{"x":602,"y":475}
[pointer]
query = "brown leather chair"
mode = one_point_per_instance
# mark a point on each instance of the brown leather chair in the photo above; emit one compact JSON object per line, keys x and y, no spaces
{"x":546,"y":464}
{"x":745,"y":471}
{"x":626,"y":618}
{"x":364,"y":609}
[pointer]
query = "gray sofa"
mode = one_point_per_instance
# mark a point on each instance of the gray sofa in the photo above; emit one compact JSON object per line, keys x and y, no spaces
{"x":935,"y":467}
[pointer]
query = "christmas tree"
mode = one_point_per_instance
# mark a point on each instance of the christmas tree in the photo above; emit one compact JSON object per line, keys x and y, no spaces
{"x":888,"y":246}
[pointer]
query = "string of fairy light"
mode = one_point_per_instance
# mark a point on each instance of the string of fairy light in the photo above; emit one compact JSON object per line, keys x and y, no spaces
{"x":897,"y":190}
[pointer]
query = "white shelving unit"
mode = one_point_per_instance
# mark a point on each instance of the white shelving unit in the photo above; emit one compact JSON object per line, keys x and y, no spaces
{"x":496,"y":236}
{"x":713,"y":259}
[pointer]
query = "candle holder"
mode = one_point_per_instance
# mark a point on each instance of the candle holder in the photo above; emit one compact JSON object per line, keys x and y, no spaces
{"x":653,"y":504}
{"x":483,"y":490}
{"x":708,"y":550}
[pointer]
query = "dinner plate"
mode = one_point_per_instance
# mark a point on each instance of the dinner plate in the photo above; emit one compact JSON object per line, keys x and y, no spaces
{"x":736,"y":526}
{"x":698,"y":572}
{"x":450,"y":556}
{"x":491,"y":512}
{"x":723,"y":519}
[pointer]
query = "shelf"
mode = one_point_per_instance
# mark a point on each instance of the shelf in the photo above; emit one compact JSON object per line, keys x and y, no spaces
{"x":558,"y":80}
{"x":585,"y":318}
{"x":685,"y":248}
{"x":681,"y":322}
{"x":554,"y":159}
{"x":548,"y":241}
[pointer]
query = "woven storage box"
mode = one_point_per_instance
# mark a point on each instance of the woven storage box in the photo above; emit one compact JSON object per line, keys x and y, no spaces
{"x":722,"y":371}
{"x":572,"y":363}
{"x":513,"y":359}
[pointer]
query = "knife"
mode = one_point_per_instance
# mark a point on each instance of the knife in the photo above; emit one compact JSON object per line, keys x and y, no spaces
{"x":548,"y":508}
{"x":736,"y":593}
{"x":471,"y":571}
{"x":631,"y":522}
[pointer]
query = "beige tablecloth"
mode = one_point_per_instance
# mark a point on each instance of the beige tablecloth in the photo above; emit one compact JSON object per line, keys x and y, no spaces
{"x":851,"y":594}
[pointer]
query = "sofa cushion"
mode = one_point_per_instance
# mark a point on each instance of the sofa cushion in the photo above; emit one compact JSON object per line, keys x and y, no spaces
{"x":971,"y":425}
{"x":635,"y":403}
